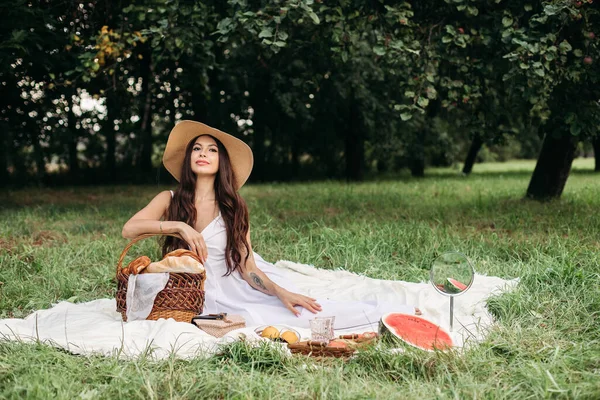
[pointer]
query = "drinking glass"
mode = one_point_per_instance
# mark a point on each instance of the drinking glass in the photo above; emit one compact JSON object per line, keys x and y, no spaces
{"x":321,"y":329}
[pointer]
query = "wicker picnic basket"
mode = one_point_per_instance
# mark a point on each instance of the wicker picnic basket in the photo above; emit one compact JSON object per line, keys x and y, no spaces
{"x":181,"y":299}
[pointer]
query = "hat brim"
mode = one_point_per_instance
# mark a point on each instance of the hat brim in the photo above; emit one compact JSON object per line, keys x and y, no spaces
{"x":240,"y":154}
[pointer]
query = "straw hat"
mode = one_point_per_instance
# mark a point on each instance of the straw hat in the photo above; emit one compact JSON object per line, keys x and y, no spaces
{"x":240,"y":155}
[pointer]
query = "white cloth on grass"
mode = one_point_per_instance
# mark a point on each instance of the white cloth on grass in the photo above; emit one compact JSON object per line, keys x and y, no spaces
{"x":141,"y":292}
{"x":357,"y":302}
{"x":96,"y":328}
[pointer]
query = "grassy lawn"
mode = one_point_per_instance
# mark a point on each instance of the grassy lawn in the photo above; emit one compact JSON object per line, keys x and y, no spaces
{"x":58,"y":244}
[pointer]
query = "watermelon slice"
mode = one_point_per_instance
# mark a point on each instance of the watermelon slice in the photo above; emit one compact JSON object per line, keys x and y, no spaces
{"x":457,"y":284}
{"x":415,"y":331}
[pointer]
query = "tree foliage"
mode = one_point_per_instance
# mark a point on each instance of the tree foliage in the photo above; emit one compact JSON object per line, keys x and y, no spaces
{"x":318,"y":89}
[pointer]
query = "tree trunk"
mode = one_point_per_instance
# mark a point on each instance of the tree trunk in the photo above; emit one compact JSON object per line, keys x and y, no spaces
{"x":260,"y":103}
{"x":145,"y":162}
{"x":199,"y":106}
{"x":596,"y":144}
{"x":73,"y":135}
{"x":40,"y":162}
{"x":355,"y":144}
{"x":112,"y":112}
{"x":295,"y":154}
{"x":4,"y":153}
{"x":476,"y":144}
{"x":417,"y":158}
{"x":552,"y":168}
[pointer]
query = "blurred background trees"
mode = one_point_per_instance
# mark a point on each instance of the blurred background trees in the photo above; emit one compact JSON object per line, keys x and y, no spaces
{"x":345,"y":89}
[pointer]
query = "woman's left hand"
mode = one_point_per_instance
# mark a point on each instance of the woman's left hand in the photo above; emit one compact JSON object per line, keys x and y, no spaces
{"x":290,"y":300}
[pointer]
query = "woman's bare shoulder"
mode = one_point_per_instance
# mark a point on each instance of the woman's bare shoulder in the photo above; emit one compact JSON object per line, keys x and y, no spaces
{"x":159,"y":204}
{"x":165,"y":194}
{"x":164,"y":198}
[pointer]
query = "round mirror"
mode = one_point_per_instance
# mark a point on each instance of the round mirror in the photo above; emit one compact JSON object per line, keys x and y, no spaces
{"x":452,"y":273}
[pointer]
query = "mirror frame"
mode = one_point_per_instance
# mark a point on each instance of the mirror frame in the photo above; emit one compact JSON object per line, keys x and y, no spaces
{"x":468,"y":263}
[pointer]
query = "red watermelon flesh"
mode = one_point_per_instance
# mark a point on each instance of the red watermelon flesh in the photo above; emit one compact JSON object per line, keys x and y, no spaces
{"x":457,"y":284}
{"x":416,"y":331}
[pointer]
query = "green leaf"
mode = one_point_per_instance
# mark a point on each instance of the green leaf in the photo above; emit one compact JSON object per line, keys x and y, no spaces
{"x":178,"y":42}
{"x":279,"y":43}
{"x":540,"y":19}
{"x":534,"y":48}
{"x":575,"y":129}
{"x":507,"y":21}
{"x":520,"y":42}
{"x":578,"y":53}
{"x":473,"y":11}
{"x":265,"y":33}
{"x":431,"y":92}
{"x":565,"y":46}
{"x":379,"y":50}
{"x":409,"y":93}
{"x":524,"y":66}
{"x":397,"y":44}
{"x":423,"y":102}
{"x":528,"y":7}
{"x":551,"y":9}
{"x":225,"y":25}
{"x":446,"y":39}
{"x":539,"y":72}
{"x":314,"y":16}
{"x":405,"y":116}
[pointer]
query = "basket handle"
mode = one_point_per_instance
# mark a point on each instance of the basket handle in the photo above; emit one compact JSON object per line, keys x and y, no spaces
{"x":137,"y":239}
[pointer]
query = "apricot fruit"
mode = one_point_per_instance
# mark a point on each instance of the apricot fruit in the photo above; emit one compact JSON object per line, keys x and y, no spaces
{"x":290,"y":337}
{"x":270,"y":332}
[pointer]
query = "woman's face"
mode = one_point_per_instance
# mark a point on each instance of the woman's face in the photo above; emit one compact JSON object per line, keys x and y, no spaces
{"x":205,"y":156}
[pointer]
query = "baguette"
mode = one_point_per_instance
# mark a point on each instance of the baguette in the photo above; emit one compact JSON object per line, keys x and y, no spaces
{"x":183,"y":261}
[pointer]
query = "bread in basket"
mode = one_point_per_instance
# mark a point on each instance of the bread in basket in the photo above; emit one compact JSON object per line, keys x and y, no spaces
{"x":183,"y":296}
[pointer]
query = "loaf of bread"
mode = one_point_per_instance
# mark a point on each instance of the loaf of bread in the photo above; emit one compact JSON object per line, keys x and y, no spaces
{"x":183,"y":261}
{"x":137,"y":265}
{"x":183,"y":252}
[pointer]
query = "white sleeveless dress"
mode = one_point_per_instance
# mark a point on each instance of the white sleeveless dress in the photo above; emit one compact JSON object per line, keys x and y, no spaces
{"x":232,"y":294}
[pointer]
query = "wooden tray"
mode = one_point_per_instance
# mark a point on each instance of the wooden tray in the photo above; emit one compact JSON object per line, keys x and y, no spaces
{"x":352,"y":343}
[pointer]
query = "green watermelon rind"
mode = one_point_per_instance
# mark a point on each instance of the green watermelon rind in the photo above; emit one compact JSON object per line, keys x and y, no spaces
{"x":441,"y":336}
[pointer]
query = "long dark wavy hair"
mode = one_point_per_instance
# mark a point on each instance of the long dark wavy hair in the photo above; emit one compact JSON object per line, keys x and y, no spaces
{"x":233,"y":208}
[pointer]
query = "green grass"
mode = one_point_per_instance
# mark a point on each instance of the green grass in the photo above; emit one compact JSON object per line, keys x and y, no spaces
{"x":63,"y":244}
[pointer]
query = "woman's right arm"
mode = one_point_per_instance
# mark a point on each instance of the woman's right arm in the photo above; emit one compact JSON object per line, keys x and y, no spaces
{"x":147,"y":220}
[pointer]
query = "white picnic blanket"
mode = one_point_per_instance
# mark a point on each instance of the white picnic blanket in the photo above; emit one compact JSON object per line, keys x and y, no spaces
{"x":96,"y":328}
